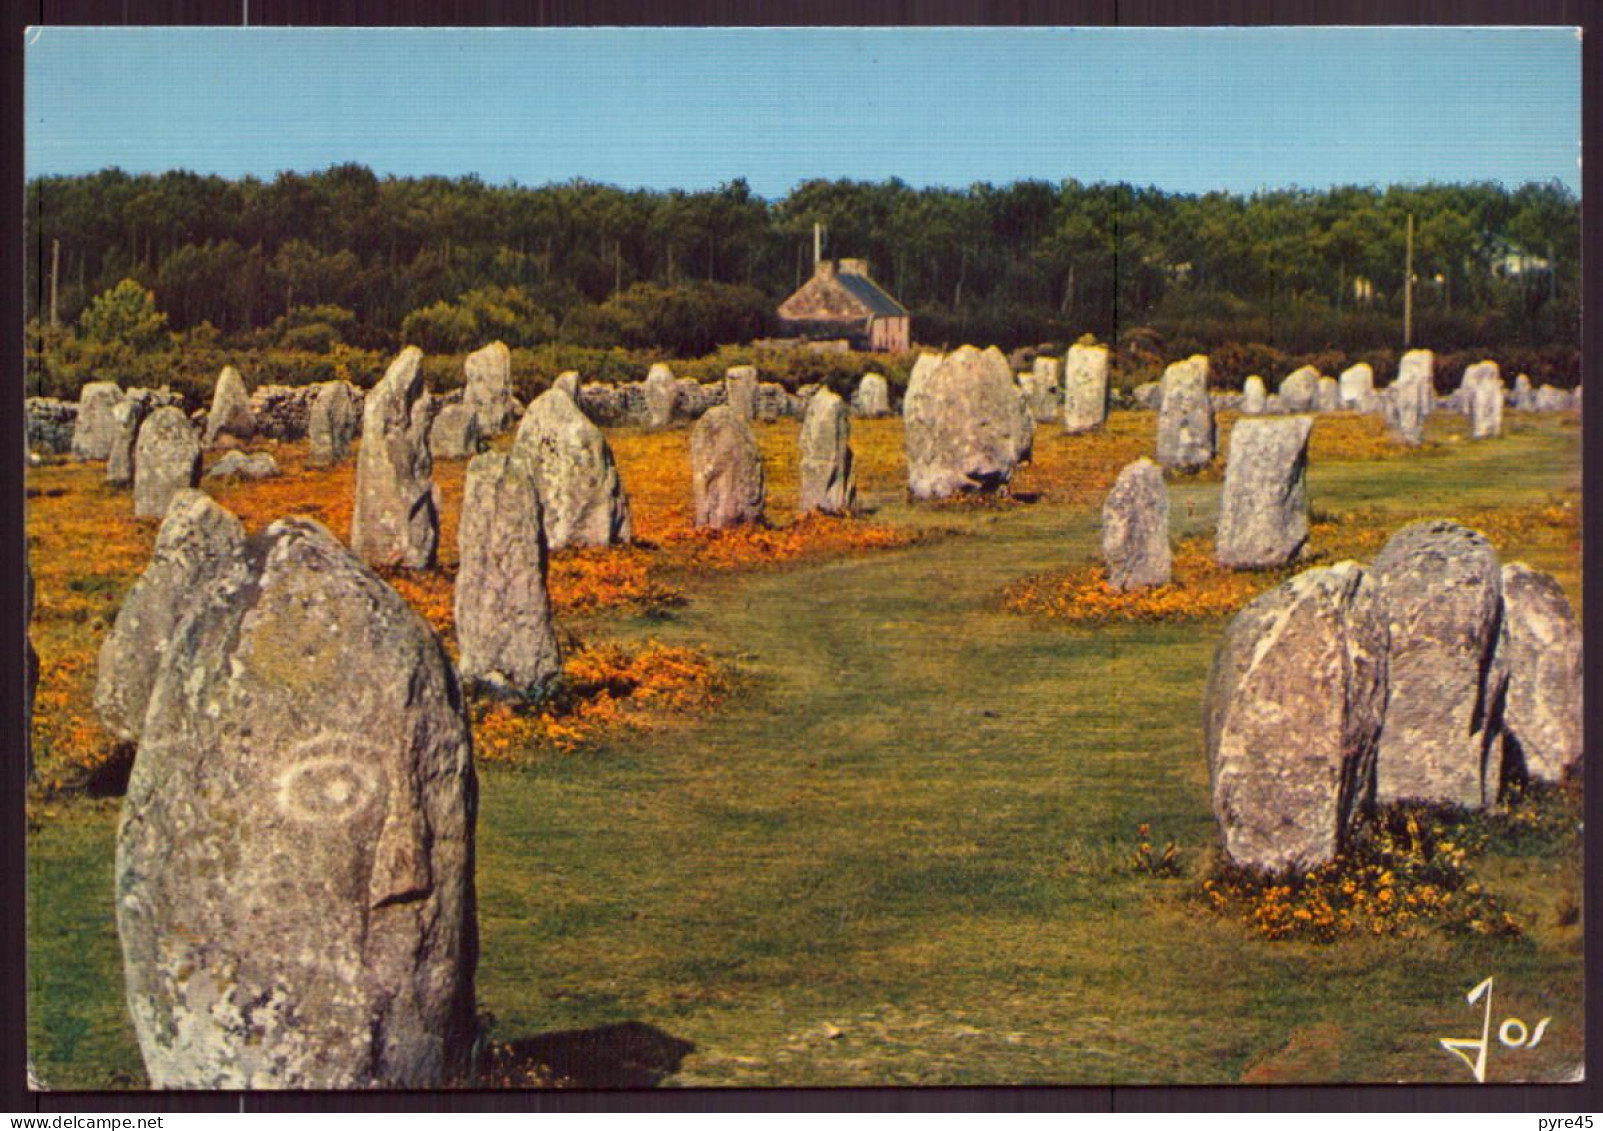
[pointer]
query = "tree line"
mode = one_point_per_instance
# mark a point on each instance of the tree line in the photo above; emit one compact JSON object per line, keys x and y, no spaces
{"x":345,"y":256}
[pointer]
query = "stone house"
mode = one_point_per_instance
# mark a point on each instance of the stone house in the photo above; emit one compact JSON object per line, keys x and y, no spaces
{"x":841,"y":301}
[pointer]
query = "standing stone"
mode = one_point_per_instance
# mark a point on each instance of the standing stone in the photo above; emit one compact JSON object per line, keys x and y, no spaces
{"x":294,"y":867}
{"x":660,"y":395}
{"x":580,"y":493}
{"x":1254,"y":397}
{"x":1135,"y":528}
{"x":396,"y":520}
{"x":1442,"y":594}
{"x":331,"y":423}
{"x":454,"y":434}
{"x":503,"y":615}
{"x":1040,"y":399}
{"x":166,"y":460}
{"x":1085,"y":388}
{"x":568,"y":382}
{"x":1550,"y":399}
{"x":1187,"y":439}
{"x":1483,"y":387}
{"x":1417,"y":371}
{"x":1263,"y":512}
{"x":487,"y":389}
{"x":126,"y":417}
{"x":873,"y":396}
{"x":230,"y":413}
{"x":726,"y":469}
{"x":95,"y":429}
{"x":1327,"y":397}
{"x":1299,"y":390}
{"x":199,"y":542}
{"x":828,"y":480}
{"x":1542,"y":719}
{"x":1522,"y":398}
{"x":1403,"y":419}
{"x":965,"y":426}
{"x":1147,"y":395}
{"x":740,"y":390}
{"x":1293,"y":711}
{"x":1357,"y":387}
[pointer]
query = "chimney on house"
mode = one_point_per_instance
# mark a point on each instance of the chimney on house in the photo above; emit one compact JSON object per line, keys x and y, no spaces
{"x":852,"y":267}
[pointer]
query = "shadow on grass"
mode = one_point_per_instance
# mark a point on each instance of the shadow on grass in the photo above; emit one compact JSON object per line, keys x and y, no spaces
{"x":630,"y":1054}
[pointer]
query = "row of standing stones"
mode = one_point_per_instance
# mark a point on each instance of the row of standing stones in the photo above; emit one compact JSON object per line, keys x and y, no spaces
{"x":295,"y":857}
{"x":1434,"y":676}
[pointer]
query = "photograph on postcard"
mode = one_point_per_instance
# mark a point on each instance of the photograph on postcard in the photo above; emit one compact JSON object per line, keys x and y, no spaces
{"x":774,"y":557}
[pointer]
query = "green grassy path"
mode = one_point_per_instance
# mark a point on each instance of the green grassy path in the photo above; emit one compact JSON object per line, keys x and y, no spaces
{"x":898,"y":854}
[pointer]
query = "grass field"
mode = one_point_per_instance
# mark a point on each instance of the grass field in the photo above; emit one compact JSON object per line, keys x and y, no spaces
{"x":897,"y":850}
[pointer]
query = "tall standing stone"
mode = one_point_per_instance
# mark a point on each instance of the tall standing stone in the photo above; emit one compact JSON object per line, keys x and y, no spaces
{"x":1254,"y":397}
{"x":199,"y":543}
{"x":487,"y":388}
{"x":1085,"y":388}
{"x":873,"y":396}
{"x":726,"y":470}
{"x":740,"y":390}
{"x":166,"y":460}
{"x":331,"y":423}
{"x":1403,"y":419}
{"x":1263,"y":512}
{"x":95,"y":429}
{"x":1293,"y":712}
{"x":1483,"y":385}
{"x":1135,"y":528}
{"x":1327,"y":397}
{"x":126,"y":417}
{"x":1187,"y":439}
{"x":1442,"y":594}
{"x":503,"y":613}
{"x":230,"y":413}
{"x":965,"y":426}
{"x":660,"y":394}
{"x":1523,"y":396}
{"x":396,"y":520}
{"x":454,"y":432}
{"x":1417,"y":371}
{"x":828,"y":479}
{"x":568,"y":382}
{"x":1300,"y":389}
{"x":1543,"y":715}
{"x":294,"y":873}
{"x":1040,"y":398}
{"x":582,"y":498}
{"x":1357,"y":387}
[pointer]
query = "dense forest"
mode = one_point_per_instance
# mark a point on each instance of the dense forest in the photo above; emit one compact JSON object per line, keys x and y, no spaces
{"x":311,"y":261}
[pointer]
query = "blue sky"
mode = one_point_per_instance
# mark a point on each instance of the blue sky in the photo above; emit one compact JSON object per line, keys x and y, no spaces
{"x":1186,"y":110}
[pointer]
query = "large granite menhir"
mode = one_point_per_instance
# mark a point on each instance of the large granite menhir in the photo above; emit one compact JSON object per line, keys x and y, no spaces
{"x":828,"y":478}
{"x":966,"y":427}
{"x":1263,"y":512}
{"x":580,"y":492}
{"x":1441,"y":592}
{"x":294,"y":867}
{"x":1187,"y":439}
{"x":396,"y":520}
{"x":1293,"y":712}
{"x":1135,"y":528}
{"x":726,"y":470}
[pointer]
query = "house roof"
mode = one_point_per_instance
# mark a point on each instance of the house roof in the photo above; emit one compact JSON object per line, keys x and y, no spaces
{"x":833,"y":295}
{"x":868,"y":292}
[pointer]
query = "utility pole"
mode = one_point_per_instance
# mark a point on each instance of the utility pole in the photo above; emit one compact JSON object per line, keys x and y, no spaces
{"x":1408,"y":288}
{"x":55,"y":275}
{"x":818,"y":246}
